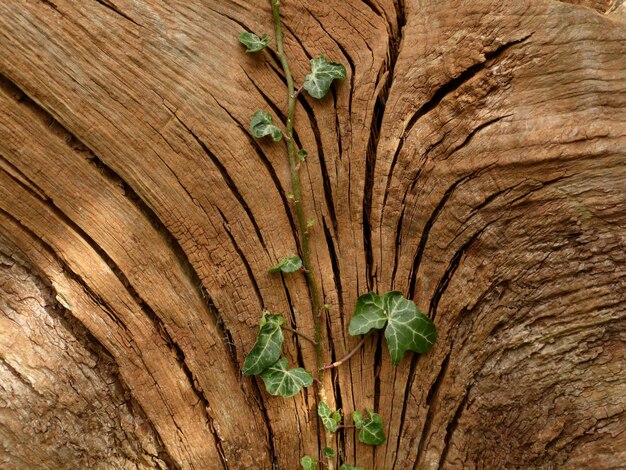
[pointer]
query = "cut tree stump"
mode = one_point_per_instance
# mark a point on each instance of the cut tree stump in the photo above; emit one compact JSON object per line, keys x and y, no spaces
{"x":474,"y":160}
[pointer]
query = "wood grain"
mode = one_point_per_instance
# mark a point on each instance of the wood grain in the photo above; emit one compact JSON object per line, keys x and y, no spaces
{"x":474,"y":159}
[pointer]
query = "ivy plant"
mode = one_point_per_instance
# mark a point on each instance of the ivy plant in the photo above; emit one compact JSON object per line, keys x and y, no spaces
{"x":318,"y":82}
{"x":308,"y":463}
{"x":262,"y":124}
{"x":268,"y":346}
{"x":405,"y":327}
{"x":254,"y":43}
{"x":287,"y":264}
{"x":264,"y":359}
{"x":280,"y":380}
{"x":330,"y":418}
{"x":329,"y":452}
{"x":370,"y":429}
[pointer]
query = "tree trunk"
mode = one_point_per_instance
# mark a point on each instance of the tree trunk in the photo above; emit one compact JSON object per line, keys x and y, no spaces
{"x":473,"y":160}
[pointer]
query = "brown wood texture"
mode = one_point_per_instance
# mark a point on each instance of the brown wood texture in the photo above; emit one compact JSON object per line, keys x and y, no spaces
{"x":474,"y":159}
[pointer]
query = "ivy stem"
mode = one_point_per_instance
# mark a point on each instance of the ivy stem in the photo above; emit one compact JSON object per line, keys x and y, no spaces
{"x":296,"y":188}
{"x":296,"y":332}
{"x":347,"y":356}
{"x":296,"y":184}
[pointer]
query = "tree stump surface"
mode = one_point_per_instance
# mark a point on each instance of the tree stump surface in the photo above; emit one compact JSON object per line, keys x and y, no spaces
{"x":474,"y":159}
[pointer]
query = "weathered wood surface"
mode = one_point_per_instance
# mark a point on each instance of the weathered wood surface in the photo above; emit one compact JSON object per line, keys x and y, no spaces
{"x":474,"y":159}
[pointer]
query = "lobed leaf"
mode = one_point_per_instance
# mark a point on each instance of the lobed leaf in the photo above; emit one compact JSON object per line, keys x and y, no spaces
{"x":330,"y":418}
{"x":369,"y":312}
{"x":408,"y":329}
{"x":287,"y":264}
{"x":371,"y":429}
{"x":252,"y":42}
{"x":286,"y":383}
{"x":318,"y":82}
{"x":308,"y":463}
{"x":329,"y":453}
{"x":268,"y":346}
{"x":358,"y":419}
{"x":262,"y":124}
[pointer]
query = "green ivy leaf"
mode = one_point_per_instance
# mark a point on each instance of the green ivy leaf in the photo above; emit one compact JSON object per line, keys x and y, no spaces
{"x":318,"y":82}
{"x":302,"y":154}
{"x":358,"y":419}
{"x":287,"y":264}
{"x":371,"y":429}
{"x":308,"y":463}
{"x":268,"y":346}
{"x":369,"y":313}
{"x":329,"y":453}
{"x":286,"y":383}
{"x":330,"y":418}
{"x":407,"y":329}
{"x":262,"y":124}
{"x":252,"y":42}
{"x":346,"y":466}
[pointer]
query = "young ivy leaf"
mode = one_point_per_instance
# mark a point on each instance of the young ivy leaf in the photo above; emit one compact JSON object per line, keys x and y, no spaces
{"x":302,"y":154}
{"x":262,"y":124}
{"x":330,"y":418}
{"x":286,"y":383}
{"x":268,"y":346}
{"x":287,"y":264}
{"x":371,"y":429}
{"x":308,"y":463}
{"x":329,"y":453}
{"x":358,"y":419}
{"x":318,"y":82}
{"x":346,"y":466}
{"x":252,"y":42}
{"x":407,"y":329}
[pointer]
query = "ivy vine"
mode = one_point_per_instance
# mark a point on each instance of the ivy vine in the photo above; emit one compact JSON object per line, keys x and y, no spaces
{"x":405,"y":327}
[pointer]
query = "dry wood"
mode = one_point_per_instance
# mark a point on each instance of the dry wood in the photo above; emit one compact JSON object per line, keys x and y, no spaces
{"x":474,"y":160}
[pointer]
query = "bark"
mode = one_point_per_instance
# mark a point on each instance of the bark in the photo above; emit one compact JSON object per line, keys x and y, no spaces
{"x":473,"y":159}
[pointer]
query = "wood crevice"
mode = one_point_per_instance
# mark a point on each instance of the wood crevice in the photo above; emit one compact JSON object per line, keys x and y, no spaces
{"x":431,"y":221}
{"x":244,"y":260}
{"x":228,"y":180}
{"x":394,"y":47}
{"x":272,"y":173}
{"x":475,"y":131}
{"x":116,"y":11}
{"x":446,"y":90}
{"x":430,"y":396}
{"x":450,"y":429}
